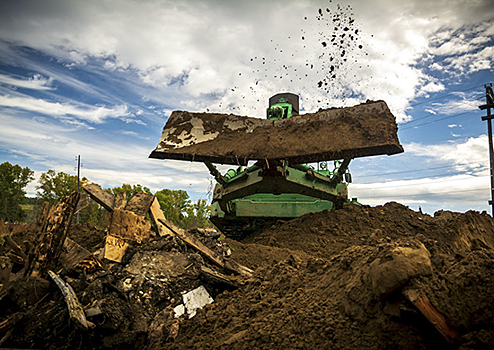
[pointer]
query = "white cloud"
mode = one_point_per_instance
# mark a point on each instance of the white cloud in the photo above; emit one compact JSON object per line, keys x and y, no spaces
{"x":470,"y":155}
{"x":92,"y":114}
{"x":36,"y":82}
{"x":455,"y":106}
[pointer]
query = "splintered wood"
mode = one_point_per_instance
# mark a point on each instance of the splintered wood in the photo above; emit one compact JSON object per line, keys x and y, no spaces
{"x":129,"y":226}
{"x":47,"y":249}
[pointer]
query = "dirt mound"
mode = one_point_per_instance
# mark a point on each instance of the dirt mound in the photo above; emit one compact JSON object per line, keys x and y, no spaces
{"x":334,"y":279}
{"x":348,"y":132}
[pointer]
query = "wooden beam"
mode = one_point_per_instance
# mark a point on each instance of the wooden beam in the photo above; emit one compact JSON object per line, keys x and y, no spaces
{"x":205,"y":251}
{"x":423,"y":304}
{"x":156,"y":215}
{"x":194,"y":243}
{"x":45,"y":252}
{"x":217,"y":277}
{"x":98,"y":195}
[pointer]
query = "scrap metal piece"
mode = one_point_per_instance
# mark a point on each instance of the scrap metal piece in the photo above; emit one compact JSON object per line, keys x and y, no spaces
{"x":336,"y":133}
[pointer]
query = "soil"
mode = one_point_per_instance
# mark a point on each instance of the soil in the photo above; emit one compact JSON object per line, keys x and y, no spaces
{"x":322,"y":281}
{"x":335,"y":133}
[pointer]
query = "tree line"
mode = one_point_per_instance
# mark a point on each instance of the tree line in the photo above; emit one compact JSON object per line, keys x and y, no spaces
{"x":52,"y":185}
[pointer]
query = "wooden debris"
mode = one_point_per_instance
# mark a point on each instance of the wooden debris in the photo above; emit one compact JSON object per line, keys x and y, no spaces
{"x":217,"y":277}
{"x":73,"y":254}
{"x":140,"y":203}
{"x":194,"y":242}
{"x":115,"y":248}
{"x":98,"y":195}
{"x":208,"y":253}
{"x":156,"y":215}
{"x":129,"y":226}
{"x":11,"y":321}
{"x":15,"y":247}
{"x":76,"y":311}
{"x":423,"y":304}
{"x":46,"y":251}
{"x":43,"y":214}
{"x":120,"y":200}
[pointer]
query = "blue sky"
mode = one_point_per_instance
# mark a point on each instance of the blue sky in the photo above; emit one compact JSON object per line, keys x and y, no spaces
{"x":99,"y":79}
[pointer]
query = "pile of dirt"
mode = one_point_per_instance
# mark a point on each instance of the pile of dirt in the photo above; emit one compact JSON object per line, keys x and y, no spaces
{"x":349,"y":132}
{"x":338,"y":279}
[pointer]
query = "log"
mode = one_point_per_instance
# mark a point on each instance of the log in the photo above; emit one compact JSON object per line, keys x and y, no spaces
{"x":98,"y":195}
{"x":46,"y":250}
{"x":140,"y":203}
{"x":423,"y":304}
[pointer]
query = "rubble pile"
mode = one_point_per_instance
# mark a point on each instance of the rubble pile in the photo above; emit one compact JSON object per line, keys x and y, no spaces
{"x":359,"y":277}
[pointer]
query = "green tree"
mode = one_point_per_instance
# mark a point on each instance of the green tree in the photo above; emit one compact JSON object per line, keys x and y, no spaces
{"x":175,"y":204}
{"x":177,"y":207}
{"x":13,"y":181}
{"x":198,"y":214}
{"x":128,"y":189}
{"x":53,"y":185}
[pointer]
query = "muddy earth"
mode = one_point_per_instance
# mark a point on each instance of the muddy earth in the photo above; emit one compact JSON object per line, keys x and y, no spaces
{"x":330,"y":280}
{"x":334,"y":133}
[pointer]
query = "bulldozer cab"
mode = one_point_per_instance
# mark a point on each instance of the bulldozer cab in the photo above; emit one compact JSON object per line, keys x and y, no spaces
{"x":282,"y":106}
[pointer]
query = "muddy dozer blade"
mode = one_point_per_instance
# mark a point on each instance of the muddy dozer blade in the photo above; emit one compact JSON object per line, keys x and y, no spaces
{"x":364,"y":130}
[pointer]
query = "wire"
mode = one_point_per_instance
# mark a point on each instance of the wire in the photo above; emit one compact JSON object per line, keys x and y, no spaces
{"x":443,"y":96}
{"x":434,"y":121}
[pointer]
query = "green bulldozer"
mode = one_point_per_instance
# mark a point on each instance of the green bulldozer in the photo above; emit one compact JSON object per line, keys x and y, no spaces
{"x":279,"y":184}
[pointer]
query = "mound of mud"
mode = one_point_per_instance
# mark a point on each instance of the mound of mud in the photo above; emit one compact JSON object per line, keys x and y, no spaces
{"x":327,"y":280}
{"x":313,"y":287}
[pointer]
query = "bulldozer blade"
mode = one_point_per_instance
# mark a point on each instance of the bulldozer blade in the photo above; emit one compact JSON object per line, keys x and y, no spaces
{"x":364,"y":130}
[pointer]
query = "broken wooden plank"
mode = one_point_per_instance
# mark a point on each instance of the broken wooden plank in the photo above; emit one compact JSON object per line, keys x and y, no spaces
{"x":156,"y":214}
{"x":76,"y":311}
{"x":217,"y":277}
{"x":73,"y":254}
{"x":120,"y":200}
{"x":98,"y":195}
{"x":115,"y":248}
{"x":46,"y":251}
{"x":208,"y":253}
{"x":129,"y":226}
{"x":193,"y":242}
{"x":423,"y":304}
{"x":45,"y":209}
{"x":239,"y":269}
{"x":15,"y":247}
{"x":140,"y":203}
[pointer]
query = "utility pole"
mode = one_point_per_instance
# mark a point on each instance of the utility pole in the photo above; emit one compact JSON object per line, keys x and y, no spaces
{"x":78,"y":179}
{"x":489,"y":104}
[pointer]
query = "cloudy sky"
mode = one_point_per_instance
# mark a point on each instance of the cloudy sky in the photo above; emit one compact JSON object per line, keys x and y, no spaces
{"x":100,"y":78}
